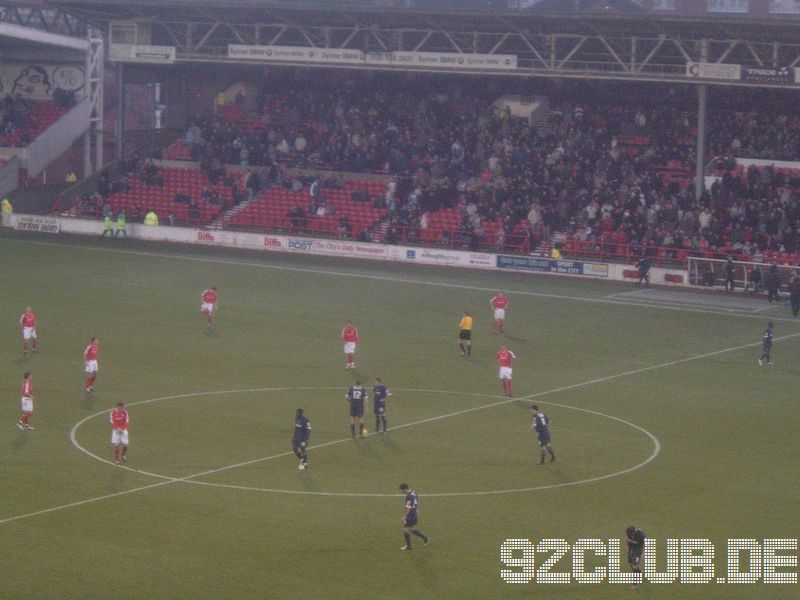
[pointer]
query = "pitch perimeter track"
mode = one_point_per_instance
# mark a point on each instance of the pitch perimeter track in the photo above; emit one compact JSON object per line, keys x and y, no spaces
{"x":608,"y":300}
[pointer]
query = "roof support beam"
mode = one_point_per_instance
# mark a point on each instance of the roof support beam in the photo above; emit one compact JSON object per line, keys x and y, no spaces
{"x":29,"y":34}
{"x":572,"y":52}
{"x":642,"y":64}
{"x":614,"y":54}
{"x":206,"y":37}
{"x":423,"y":40}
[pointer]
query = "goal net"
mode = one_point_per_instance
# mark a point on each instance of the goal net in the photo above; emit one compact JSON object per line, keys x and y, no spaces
{"x":710,"y":272}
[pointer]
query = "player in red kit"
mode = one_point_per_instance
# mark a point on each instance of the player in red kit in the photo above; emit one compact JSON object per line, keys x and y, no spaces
{"x":119,"y":431}
{"x":209,"y":297}
{"x":28,"y":323}
{"x":499,"y":304}
{"x":90,"y":364}
{"x":350,"y":339}
{"x":27,"y":403}
{"x":505,"y":358}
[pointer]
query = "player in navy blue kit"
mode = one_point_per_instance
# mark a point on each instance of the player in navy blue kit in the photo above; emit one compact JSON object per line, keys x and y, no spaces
{"x":302,"y":431}
{"x":766,"y":342}
{"x":635,"y":549}
{"x":410,"y":517}
{"x":357,"y":397}
{"x":541,"y":423}
{"x":379,"y":394}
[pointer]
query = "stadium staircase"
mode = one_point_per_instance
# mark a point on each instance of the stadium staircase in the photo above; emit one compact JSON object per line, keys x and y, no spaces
{"x":543,"y":249}
{"x":380,"y":232}
{"x":542,"y":126}
{"x":271,"y":208}
{"x":225,"y":219}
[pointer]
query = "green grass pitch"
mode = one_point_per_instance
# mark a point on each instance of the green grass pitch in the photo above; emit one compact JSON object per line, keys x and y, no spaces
{"x":213,"y":506}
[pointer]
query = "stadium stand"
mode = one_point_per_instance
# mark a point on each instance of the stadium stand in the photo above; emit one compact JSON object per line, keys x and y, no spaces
{"x":346,"y":212}
{"x":603,"y":175}
{"x":185,"y":194}
{"x":22,"y":120}
{"x":462,"y":155}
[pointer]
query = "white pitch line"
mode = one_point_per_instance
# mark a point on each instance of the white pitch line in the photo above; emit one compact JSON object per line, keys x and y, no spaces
{"x":764,"y":308}
{"x":664,"y":303}
{"x":191,"y":478}
{"x":205,"y":259}
{"x":187,"y":478}
{"x":83,"y":502}
{"x":529,"y":397}
{"x":635,"y":292}
{"x":645,"y":462}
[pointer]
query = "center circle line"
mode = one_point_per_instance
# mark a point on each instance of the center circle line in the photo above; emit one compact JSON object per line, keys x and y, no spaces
{"x":191,"y":479}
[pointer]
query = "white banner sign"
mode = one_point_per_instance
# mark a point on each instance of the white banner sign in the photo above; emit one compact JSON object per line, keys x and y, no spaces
{"x":138,"y":53}
{"x":43,"y":224}
{"x":246,"y":240}
{"x":703,"y":70}
{"x":447,"y":60}
{"x":412,"y":60}
{"x":729,"y":6}
{"x":335,"y":247}
{"x":215,"y":237}
{"x":295,"y":54}
{"x":785,"y":7}
{"x":431,"y":256}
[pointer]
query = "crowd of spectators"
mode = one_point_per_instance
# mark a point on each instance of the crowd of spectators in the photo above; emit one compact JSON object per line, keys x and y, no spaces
{"x":594,"y":169}
{"x":23,"y":119}
{"x":451,"y":146}
{"x":13,"y":111}
{"x":137,"y":171}
{"x":755,"y":124}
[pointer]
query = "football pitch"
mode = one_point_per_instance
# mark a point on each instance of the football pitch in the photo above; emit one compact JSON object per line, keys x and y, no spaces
{"x":661,"y":418}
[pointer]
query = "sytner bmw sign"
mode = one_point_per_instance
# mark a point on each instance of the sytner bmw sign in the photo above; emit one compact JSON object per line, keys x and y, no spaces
{"x":439,"y":60}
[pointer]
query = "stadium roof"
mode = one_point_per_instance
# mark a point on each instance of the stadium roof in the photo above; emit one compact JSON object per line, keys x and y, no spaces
{"x":22,"y":39}
{"x":611,"y":39}
{"x":555,"y":15}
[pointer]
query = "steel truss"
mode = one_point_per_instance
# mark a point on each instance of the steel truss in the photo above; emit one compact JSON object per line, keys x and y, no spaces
{"x":94,"y":89}
{"x":45,"y":18}
{"x":622,"y":47}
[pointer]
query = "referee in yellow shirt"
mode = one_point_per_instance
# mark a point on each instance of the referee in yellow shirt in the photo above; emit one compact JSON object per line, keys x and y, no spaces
{"x":465,"y":334}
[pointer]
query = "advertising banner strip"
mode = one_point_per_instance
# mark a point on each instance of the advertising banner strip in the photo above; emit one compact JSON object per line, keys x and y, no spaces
{"x":704,"y":70}
{"x":140,"y":53}
{"x":444,"y":60}
{"x":42,"y":224}
{"x":449,"y":60}
{"x":344,"y":248}
{"x":777,"y":75}
{"x":549,"y":265}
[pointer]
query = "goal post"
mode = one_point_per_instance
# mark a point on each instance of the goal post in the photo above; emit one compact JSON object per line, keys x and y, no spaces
{"x":710,"y":272}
